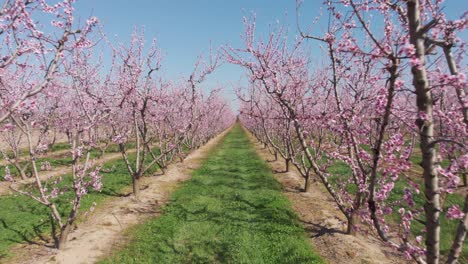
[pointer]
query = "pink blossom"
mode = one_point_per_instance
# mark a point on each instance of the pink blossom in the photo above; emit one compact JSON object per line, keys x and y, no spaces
{"x":7,"y":176}
{"x":463,"y":161}
{"x":399,"y":83}
{"x":58,"y":24}
{"x":454,"y":212}
{"x":92,"y":21}
{"x":8,"y":126}
{"x":408,"y":197}
{"x":93,"y":206}
{"x":419,"y":239}
{"x":452,"y":179}
{"x":54,"y":193}
{"x":415,"y":62}
{"x":423,"y":116}
{"x":388,"y":210}
{"x":408,"y":49}
{"x":329,"y":38}
{"x":41,"y":147}
{"x":45,"y":166}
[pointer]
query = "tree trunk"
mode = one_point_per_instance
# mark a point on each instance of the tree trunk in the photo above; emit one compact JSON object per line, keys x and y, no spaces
{"x":23,"y":174}
{"x":276,"y":155}
{"x":454,"y":71}
{"x":306,"y":183}
{"x":425,"y":123}
{"x":62,"y":241}
{"x":352,"y":219}
{"x":21,"y":170}
{"x":136,"y":186}
{"x":287,"y":161}
{"x":54,"y":139}
{"x":457,"y":245}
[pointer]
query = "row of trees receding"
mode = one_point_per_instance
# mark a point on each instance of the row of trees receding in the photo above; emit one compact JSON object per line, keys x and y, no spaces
{"x":381,"y":122}
{"x":54,"y":80}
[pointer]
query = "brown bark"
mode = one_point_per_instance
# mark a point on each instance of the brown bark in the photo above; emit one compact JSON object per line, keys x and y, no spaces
{"x":424,"y":102}
{"x":21,"y":170}
{"x":136,"y":186}
{"x":314,"y":166}
{"x":351,"y":227}
{"x":460,"y":236}
{"x":306,"y":183}
{"x":377,"y":149}
{"x":54,"y":139}
{"x":460,"y":92}
{"x":63,"y":238}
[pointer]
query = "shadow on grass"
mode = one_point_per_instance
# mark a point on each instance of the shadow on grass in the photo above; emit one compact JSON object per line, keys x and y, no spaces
{"x":114,"y":193}
{"x":25,"y":236}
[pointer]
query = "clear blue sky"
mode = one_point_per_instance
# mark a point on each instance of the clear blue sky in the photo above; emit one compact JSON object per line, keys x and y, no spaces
{"x":185,"y":28}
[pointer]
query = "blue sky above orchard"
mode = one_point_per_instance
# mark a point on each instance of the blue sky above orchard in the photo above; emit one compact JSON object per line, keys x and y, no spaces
{"x":186,"y":28}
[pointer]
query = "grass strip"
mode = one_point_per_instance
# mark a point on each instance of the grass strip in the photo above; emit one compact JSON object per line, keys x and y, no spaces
{"x":231,"y":211}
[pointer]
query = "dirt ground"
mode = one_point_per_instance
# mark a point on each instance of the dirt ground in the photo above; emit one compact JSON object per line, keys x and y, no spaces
{"x":324,"y":223}
{"x":57,"y":153}
{"x":60,"y":137}
{"x":104,"y":229}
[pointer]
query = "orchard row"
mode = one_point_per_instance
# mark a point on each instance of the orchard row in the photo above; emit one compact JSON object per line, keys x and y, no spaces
{"x":55,"y":81}
{"x":381,"y":122}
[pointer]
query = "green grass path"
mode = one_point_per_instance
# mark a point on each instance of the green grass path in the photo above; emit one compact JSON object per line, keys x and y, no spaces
{"x":231,"y":211}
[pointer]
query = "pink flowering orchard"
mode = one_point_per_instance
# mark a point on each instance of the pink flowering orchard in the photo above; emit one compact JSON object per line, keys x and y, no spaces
{"x":376,"y":103}
{"x":166,"y":116}
{"x":33,"y":75}
{"x":55,"y":82}
{"x":28,"y":51}
{"x":365,"y":99}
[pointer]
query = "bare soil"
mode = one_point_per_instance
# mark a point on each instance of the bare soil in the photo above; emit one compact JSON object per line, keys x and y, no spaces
{"x":324,"y":223}
{"x":57,"y":154}
{"x":104,"y":229}
{"x":60,"y":137}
